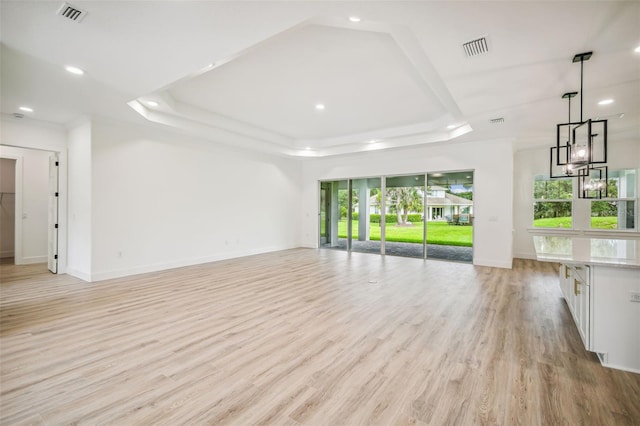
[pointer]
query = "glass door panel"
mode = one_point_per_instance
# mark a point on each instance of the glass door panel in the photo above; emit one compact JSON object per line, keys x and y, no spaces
{"x":449,"y":218}
{"x":325,"y":225}
{"x":334,"y":204}
{"x":404,"y":219}
{"x":365,"y":217}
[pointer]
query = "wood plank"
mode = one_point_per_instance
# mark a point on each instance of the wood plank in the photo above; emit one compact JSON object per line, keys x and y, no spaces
{"x":302,"y":337}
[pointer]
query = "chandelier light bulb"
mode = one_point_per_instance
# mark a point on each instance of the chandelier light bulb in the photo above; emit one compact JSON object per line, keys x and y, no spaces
{"x":588,"y":185}
{"x":568,"y":169}
{"x":594,"y":184}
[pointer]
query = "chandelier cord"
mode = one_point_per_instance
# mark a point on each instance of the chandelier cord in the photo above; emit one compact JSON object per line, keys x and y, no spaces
{"x":581,"y":89}
{"x":569,"y":127}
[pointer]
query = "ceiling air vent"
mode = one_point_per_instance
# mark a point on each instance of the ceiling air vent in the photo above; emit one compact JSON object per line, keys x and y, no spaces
{"x":476,"y":47}
{"x":72,"y":12}
{"x":499,"y":120}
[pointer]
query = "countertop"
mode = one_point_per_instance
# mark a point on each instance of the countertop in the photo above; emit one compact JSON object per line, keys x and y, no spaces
{"x":592,"y":251}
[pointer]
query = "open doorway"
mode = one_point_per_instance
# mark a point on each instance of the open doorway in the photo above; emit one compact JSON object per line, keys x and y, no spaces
{"x":7,"y":209}
{"x":30,"y":197}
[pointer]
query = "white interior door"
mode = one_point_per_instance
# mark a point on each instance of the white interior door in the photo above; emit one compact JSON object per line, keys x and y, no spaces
{"x":53,"y":214}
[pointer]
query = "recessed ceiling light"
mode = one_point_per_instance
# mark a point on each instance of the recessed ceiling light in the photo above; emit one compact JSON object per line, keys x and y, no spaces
{"x":319,"y":107}
{"x":152,"y":104}
{"x":354,"y":18}
{"x":637,"y":49}
{"x":308,"y":148}
{"x":25,"y":109}
{"x":451,"y":126}
{"x":74,"y":70}
{"x":605,"y":102}
{"x":372,"y":141}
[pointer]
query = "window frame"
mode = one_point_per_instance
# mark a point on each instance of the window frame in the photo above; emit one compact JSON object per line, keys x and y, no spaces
{"x":545,"y":178}
{"x":633,"y":199}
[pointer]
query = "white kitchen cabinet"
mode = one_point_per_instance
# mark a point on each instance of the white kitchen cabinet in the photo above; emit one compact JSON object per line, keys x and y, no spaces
{"x":600,"y":299}
{"x":575,"y":284}
{"x":616,"y":317}
{"x":600,"y":280}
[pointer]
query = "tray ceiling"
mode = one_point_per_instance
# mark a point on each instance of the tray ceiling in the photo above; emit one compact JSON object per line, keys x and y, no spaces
{"x":375,"y":85}
{"x":398,"y":77}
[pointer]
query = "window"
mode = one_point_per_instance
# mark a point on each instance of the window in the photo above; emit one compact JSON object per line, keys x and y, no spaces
{"x":618,"y":210}
{"x":553,"y":206}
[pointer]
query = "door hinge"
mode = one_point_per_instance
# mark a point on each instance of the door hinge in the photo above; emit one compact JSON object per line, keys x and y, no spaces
{"x":57,"y":163}
{"x":55,"y":256}
{"x":55,"y":226}
{"x":56,"y":194}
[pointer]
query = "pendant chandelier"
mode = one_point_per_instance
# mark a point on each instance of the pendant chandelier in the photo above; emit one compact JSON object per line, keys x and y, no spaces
{"x":581,"y":147}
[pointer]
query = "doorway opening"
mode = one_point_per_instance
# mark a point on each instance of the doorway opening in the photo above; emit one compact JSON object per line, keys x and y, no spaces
{"x":7,"y":209}
{"x":31,"y":177}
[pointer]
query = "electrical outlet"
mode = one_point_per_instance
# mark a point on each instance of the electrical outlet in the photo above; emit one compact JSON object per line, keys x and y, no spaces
{"x":634,"y":296}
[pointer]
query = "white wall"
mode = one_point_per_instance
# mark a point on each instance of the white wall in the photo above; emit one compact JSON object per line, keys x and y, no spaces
{"x":80,"y":201}
{"x":17,"y":134}
{"x":31,"y":203}
{"x":161,"y":200}
{"x":7,"y":206}
{"x":27,"y":133}
{"x":492,"y":163}
{"x":529,"y":163}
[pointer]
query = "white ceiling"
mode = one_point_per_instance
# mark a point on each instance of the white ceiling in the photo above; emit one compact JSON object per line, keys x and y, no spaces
{"x":399,"y":76}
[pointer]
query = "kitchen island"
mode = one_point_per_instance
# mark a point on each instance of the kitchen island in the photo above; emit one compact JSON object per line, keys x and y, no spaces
{"x":600,"y":281}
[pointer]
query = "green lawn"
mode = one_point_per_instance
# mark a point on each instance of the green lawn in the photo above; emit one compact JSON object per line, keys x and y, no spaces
{"x":437,"y":233}
{"x":553,"y":222}
{"x":609,"y":222}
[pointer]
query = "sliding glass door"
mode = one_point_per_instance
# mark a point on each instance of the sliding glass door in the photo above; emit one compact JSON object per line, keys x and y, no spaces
{"x":334,"y":207}
{"x":421,"y":215}
{"x":449,"y":215}
{"x":404,"y":219}
{"x":365,"y":215}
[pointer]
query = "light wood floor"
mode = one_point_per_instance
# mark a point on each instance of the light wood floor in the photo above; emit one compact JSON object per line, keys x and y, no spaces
{"x":302,"y":337}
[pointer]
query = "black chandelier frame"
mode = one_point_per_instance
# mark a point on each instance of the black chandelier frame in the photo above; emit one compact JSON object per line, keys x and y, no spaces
{"x":583,"y":152}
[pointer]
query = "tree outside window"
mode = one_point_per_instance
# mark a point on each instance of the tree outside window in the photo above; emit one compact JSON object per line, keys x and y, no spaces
{"x":618,"y":210}
{"x":553,"y":204}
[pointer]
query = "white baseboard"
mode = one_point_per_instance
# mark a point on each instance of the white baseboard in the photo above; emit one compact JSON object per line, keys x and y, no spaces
{"x":31,"y":260}
{"x":493,"y":263}
{"x":523,"y":255}
{"x":621,"y":367}
{"x":79,"y":274}
{"x":143,"y":269}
